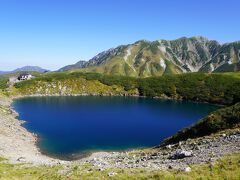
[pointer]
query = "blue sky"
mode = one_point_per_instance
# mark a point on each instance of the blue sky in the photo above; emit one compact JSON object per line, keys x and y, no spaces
{"x":54,"y":33}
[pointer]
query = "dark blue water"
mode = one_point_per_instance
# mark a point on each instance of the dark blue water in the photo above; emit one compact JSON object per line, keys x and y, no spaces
{"x":76,"y":125}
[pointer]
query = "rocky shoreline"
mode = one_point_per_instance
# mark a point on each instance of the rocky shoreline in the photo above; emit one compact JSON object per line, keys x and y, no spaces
{"x":177,"y":156}
{"x":16,"y":143}
{"x":19,"y":146}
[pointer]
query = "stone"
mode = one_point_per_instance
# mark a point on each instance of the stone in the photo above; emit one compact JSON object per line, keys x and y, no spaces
{"x":180,"y":154}
{"x":169,"y":146}
{"x":21,"y":159}
{"x":187,"y":169}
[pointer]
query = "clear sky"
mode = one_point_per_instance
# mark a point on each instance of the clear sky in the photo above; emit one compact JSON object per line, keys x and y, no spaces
{"x":54,"y":33}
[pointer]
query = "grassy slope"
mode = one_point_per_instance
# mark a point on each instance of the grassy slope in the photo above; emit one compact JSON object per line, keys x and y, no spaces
{"x":144,"y":58}
{"x":143,"y":61}
{"x":212,"y":88}
{"x":70,"y":86}
{"x":226,"y":168}
{"x":3,"y":82}
{"x":225,"y":118}
{"x":71,"y":83}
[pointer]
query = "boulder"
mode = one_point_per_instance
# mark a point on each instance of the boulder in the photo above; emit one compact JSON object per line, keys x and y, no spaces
{"x":180,"y":154}
{"x":187,"y":169}
{"x":111,"y":174}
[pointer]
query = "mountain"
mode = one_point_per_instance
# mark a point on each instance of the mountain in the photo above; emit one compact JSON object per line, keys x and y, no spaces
{"x":26,"y":69}
{"x":145,"y":58}
{"x":31,"y":68}
{"x":79,"y":64}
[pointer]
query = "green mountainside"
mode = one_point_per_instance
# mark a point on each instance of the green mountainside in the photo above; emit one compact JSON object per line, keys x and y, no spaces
{"x":79,"y":64}
{"x":222,"y":119}
{"x":157,"y":58}
{"x":218,"y":88}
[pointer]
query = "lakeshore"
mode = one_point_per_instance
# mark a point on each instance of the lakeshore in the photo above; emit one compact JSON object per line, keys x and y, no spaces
{"x":19,"y":146}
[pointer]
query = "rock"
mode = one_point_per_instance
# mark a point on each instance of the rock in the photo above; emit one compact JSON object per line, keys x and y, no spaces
{"x":111,"y":174}
{"x":169,"y":146}
{"x":180,"y":154}
{"x":187,"y":169}
{"x":21,"y":159}
{"x":100,"y":169}
{"x":196,"y":147}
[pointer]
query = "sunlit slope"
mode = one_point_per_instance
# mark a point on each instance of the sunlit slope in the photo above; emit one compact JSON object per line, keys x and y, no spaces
{"x":157,"y":58}
{"x":219,"y":88}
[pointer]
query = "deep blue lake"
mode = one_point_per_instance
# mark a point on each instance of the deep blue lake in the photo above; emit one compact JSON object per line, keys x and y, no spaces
{"x":77,"y":125}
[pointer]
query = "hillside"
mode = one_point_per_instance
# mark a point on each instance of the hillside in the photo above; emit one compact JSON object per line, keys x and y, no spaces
{"x":77,"y":65}
{"x":218,"y":88}
{"x":146,"y":58}
{"x":225,"y":118}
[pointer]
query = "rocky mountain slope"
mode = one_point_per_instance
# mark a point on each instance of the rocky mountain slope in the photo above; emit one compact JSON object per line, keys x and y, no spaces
{"x":146,"y":58}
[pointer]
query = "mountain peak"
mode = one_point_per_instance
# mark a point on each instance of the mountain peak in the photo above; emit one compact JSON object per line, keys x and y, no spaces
{"x":26,"y":69}
{"x":30,"y":68}
{"x":78,"y":65}
{"x":155,"y":58}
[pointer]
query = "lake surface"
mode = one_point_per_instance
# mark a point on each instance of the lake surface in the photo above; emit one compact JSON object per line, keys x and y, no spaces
{"x":77,"y":125}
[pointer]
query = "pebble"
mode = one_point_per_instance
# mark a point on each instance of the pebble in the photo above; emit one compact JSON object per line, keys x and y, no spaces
{"x":187,"y":169}
{"x":111,"y":174}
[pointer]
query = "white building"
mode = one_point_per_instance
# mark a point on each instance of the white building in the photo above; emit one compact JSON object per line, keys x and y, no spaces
{"x":23,"y":77}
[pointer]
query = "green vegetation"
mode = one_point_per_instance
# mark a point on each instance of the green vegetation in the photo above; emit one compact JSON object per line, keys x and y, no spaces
{"x":127,"y":83}
{"x":4,"y":78}
{"x":212,"y":88}
{"x":225,"y":118}
{"x":226,"y":168}
{"x":180,"y":55}
{"x":3,"y":82}
{"x":219,"y":88}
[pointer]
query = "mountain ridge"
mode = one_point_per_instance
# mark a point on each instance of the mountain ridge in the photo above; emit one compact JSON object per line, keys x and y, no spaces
{"x":26,"y":69}
{"x":155,"y":58}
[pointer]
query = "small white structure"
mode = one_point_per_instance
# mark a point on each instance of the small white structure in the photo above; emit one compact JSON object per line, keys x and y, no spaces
{"x":23,"y":77}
